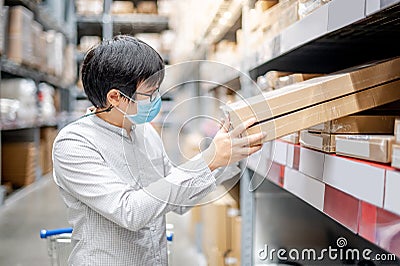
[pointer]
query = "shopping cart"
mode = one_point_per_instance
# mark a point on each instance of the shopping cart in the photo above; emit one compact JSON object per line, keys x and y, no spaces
{"x":58,"y":245}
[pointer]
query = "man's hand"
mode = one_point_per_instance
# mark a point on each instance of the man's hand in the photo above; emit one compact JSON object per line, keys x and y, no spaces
{"x":228,"y":147}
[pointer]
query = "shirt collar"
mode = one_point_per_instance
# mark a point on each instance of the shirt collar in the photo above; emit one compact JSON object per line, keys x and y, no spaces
{"x":104,"y":124}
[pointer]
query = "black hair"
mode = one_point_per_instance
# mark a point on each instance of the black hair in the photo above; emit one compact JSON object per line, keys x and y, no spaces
{"x":122,"y":63}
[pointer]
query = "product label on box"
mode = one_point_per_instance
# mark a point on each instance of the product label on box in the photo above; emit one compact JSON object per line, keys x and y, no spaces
{"x":358,"y":148}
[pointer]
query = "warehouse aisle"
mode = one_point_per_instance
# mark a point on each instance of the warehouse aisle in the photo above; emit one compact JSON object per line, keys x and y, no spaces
{"x":21,"y":218}
{"x":40,"y":206}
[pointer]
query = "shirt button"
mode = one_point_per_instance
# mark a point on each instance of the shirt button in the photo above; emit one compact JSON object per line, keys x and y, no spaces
{"x":153,"y":228}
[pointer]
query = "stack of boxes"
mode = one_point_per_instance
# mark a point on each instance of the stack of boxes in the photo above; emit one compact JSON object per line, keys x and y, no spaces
{"x":18,"y":163}
{"x":30,"y":45}
{"x":221,"y":231}
{"x":47,"y":137}
{"x":319,"y":100}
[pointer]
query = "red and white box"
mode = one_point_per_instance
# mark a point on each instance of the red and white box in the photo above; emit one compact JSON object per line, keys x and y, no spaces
{"x":392,"y":191}
{"x":308,"y":189}
{"x":359,"y":179}
{"x":311,"y":163}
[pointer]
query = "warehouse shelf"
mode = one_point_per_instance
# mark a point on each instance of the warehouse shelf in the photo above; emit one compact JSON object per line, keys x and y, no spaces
{"x":14,"y":69}
{"x":322,"y":181}
{"x":336,"y":37}
{"x":139,"y":23}
{"x":16,"y":125}
{"x":132,"y":24}
{"x":42,"y":15}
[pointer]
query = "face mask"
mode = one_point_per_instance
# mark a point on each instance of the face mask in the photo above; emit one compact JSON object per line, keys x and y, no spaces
{"x":146,"y":111}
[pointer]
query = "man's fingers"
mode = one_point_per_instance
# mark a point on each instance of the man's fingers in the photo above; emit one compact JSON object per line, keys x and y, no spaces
{"x":242,"y":127}
{"x":226,"y":124}
{"x":250,"y":150}
{"x":249,"y":140}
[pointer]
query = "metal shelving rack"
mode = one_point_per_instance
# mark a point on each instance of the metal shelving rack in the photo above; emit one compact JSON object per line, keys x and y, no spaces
{"x":18,"y":131}
{"x":338,"y":35}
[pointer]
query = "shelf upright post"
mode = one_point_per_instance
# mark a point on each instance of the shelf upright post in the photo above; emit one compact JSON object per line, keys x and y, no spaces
{"x":107,"y":23}
{"x":247,"y":197}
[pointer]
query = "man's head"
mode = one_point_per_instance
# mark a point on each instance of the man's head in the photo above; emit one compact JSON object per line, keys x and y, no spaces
{"x":123,"y":64}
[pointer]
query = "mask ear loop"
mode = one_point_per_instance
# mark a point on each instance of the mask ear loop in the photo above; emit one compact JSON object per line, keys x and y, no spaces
{"x":99,"y":112}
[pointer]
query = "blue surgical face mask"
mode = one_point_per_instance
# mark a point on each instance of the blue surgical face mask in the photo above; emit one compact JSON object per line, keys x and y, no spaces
{"x":146,"y":110}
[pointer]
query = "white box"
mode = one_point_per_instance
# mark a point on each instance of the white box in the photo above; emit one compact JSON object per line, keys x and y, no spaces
{"x":308,"y":189}
{"x":311,"y":163}
{"x":344,"y":12}
{"x":280,"y":153}
{"x":359,"y":179}
{"x":392,"y":191}
{"x":309,"y":28}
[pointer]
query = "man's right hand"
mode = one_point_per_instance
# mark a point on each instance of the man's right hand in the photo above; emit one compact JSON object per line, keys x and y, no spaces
{"x":228,"y":147}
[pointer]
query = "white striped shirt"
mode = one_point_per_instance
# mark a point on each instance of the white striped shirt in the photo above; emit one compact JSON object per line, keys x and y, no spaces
{"x":118,"y":188}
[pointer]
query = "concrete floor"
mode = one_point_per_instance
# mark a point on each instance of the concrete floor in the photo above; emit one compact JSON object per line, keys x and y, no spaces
{"x":39,"y":206}
{"x":22,"y":217}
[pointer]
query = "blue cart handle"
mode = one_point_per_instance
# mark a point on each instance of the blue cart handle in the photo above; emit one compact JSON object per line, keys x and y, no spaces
{"x":47,"y":233}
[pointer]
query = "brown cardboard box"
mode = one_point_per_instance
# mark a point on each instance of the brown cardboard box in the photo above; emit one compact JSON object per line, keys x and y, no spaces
{"x":357,"y":124}
{"x":320,"y":113}
{"x":19,"y":35}
{"x":377,"y":148}
{"x":47,"y":136}
{"x":217,"y":221}
{"x":396,"y":156}
{"x":293,"y":138}
{"x":18,"y":164}
{"x":263,"y":5}
{"x":292,"y":79}
{"x":122,"y":7}
{"x":147,"y":7}
{"x":318,"y":141}
{"x":397,"y":130}
{"x":312,"y":91}
{"x":236,"y":240}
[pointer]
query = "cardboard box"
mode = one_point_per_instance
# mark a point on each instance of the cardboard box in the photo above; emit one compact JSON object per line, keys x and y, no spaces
{"x":318,"y":141}
{"x":280,"y":152}
{"x":340,"y":107}
{"x":293,"y":156}
{"x":293,"y":138}
{"x":357,"y":124}
{"x":375,"y":148}
{"x":313,"y":92}
{"x":396,"y":156}
{"x":18,"y":163}
{"x":263,"y":5}
{"x":122,"y":7}
{"x":47,"y":137}
{"x":292,"y":79}
{"x":20,"y":47}
{"x":392,"y":191}
{"x":235,"y":254}
{"x":358,"y":179}
{"x":311,"y":163}
{"x":37,"y":52}
{"x":217,"y":220}
{"x":397,"y":130}
{"x":55,"y":52}
{"x":89,"y":7}
{"x":306,"y":188}
{"x":147,"y":7}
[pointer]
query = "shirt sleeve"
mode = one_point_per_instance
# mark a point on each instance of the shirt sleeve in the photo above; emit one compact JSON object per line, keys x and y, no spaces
{"x":81,"y":170}
{"x":181,"y":209}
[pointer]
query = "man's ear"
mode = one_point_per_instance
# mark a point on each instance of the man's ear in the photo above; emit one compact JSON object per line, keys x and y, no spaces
{"x":114,"y":97}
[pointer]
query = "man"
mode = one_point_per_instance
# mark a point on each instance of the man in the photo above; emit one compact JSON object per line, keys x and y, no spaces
{"x":111,"y":167}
